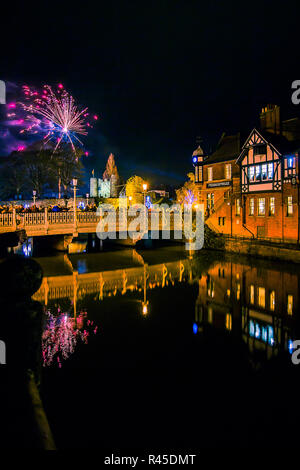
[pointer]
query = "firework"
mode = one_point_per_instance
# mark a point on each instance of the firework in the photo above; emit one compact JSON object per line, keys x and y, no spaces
{"x":52,"y":114}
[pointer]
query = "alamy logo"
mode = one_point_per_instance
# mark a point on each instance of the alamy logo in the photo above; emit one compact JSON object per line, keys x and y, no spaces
{"x":2,"y":352}
{"x":296,"y":353}
{"x":2,"y":92}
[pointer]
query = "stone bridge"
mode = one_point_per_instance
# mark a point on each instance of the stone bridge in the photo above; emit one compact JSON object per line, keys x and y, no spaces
{"x":62,"y":223}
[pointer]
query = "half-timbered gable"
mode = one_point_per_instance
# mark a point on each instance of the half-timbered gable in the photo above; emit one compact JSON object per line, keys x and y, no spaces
{"x":267,"y":161}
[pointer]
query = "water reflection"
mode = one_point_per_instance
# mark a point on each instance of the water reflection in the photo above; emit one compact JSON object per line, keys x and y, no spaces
{"x":256,"y":301}
{"x":253,"y":300}
{"x":62,"y":333}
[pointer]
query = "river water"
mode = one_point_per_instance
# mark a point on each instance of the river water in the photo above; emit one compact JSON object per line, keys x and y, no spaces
{"x":165,"y":349}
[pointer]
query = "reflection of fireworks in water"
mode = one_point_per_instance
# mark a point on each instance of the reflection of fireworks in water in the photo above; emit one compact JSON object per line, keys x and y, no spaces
{"x":53,"y":114}
{"x":62,"y":334}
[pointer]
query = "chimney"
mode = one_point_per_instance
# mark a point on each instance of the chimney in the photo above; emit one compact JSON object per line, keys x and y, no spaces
{"x":270,"y":119}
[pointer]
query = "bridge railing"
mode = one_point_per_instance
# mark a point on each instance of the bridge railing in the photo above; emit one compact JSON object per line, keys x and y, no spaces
{"x":34,"y":218}
{"x":60,"y":217}
{"x":7,"y":220}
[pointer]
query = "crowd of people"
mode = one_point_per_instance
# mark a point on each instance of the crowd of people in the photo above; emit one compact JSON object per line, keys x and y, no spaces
{"x":26,"y":209}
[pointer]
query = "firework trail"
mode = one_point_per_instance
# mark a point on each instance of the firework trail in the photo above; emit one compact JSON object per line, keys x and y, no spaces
{"x":54,"y":114}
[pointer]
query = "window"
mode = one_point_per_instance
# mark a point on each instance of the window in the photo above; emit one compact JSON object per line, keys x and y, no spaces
{"x":272,"y":300}
{"x":238,"y":207}
{"x":257,"y":173}
{"x":209,"y":174}
{"x":264,"y":172}
{"x":270,"y":171}
{"x":200,"y":174}
{"x":261,"y":206}
{"x":251,"y":206}
{"x":272,"y":206}
{"x":252,"y":294}
{"x":261,"y":297}
{"x":289,"y":205}
{"x":290,"y":162}
{"x":210,"y":200}
{"x":290,"y":302}
{"x":260,"y":150}
{"x":228,"y":171}
{"x":221,"y":220}
{"x":251,"y":173}
{"x":228,"y":321}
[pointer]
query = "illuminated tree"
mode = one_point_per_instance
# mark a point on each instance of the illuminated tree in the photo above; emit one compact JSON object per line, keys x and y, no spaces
{"x":134,"y":189}
{"x":111,"y":168}
{"x":188,"y":194}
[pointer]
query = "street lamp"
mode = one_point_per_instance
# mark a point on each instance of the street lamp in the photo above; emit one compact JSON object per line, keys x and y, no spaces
{"x":87,"y":198}
{"x":34,"y":197}
{"x":130,"y":199}
{"x":145,"y":186}
{"x":74,"y":182}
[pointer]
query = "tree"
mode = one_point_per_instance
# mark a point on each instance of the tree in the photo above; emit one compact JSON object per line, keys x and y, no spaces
{"x":111,"y":169}
{"x":12,"y":177}
{"x":188,"y":194}
{"x":134,"y":188}
{"x":38,"y":171}
{"x":66,"y":166}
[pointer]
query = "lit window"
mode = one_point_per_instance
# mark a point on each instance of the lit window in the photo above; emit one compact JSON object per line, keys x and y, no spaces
{"x":272,"y":300}
{"x":200,"y":174}
{"x":290,"y":302}
{"x":228,"y":171}
{"x":290,"y":162}
{"x":238,"y":207}
{"x":251,"y":206}
{"x":257,"y":172}
{"x":252,"y":294}
{"x":270,"y":171}
{"x":209,"y":174}
{"x":251,"y":172}
{"x":261,"y":206}
{"x":264,"y":172}
{"x":272,"y":206}
{"x":262,"y":297}
{"x":228,"y":292}
{"x":228,"y":321}
{"x":289,"y":205}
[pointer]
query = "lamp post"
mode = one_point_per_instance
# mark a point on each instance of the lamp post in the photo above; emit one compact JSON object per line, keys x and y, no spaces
{"x":34,"y":197}
{"x":145,"y":186}
{"x":74,"y":189}
{"x":87,"y":198}
{"x":130,"y":199}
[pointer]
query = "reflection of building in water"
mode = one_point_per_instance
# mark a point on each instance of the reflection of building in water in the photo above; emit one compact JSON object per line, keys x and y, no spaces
{"x":256,"y":302}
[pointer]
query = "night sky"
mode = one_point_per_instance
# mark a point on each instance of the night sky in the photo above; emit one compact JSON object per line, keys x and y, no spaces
{"x":159,"y":74}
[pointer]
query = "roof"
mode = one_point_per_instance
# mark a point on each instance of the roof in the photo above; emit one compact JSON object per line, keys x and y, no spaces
{"x":227,"y":149}
{"x":277,"y":141}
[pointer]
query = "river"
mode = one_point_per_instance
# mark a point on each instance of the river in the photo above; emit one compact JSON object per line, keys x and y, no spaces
{"x":165,"y":349}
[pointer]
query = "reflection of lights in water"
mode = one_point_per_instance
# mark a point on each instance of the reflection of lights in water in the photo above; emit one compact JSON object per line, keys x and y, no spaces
{"x":145,"y":309}
{"x":290,"y":346}
{"x":264,"y":333}
{"x":81,"y":266}
{"x":27,"y":248}
{"x":61,"y":335}
{"x":195,"y":328}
